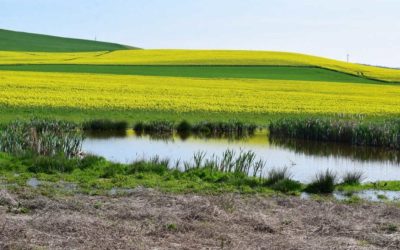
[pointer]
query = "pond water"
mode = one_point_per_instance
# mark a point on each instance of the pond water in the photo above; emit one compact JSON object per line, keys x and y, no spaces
{"x":304,"y":159}
{"x":368,"y":195}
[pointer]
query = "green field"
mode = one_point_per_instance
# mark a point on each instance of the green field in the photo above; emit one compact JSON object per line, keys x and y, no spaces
{"x":22,"y":41}
{"x":250,"y":72}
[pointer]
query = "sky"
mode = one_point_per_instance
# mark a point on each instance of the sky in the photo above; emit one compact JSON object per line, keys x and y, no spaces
{"x":367,"y":30}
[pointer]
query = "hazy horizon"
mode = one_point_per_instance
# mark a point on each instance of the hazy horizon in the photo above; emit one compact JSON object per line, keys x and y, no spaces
{"x":363,"y":29}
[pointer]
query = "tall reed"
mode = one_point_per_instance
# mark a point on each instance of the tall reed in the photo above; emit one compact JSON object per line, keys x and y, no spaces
{"x":105,"y":125}
{"x":41,"y":137}
{"x":244,"y":162}
{"x":384,"y":134}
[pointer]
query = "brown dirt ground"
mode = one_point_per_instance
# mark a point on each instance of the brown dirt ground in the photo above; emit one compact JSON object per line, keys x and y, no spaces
{"x":148,"y":219}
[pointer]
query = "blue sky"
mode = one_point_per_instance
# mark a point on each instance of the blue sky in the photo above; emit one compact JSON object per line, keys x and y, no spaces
{"x":369,"y":30}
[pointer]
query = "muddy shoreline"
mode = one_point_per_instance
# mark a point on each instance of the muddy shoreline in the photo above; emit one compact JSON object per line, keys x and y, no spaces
{"x":149,"y":219}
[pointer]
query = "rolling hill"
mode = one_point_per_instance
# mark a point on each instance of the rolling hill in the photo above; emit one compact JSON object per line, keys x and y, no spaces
{"x":22,"y":41}
{"x":196,"y":58}
{"x":75,"y":79}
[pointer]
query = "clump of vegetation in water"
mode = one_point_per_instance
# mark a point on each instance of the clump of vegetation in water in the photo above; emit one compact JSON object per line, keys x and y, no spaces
{"x":105,"y":125}
{"x":41,"y":137}
{"x":161,"y":127}
{"x":353,"y":178}
{"x":384,"y":134}
{"x":323,"y":183}
{"x":203,"y":129}
{"x":223,"y":129}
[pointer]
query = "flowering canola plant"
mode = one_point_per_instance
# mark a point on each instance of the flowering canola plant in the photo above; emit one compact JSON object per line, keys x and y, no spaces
{"x":122,"y":92}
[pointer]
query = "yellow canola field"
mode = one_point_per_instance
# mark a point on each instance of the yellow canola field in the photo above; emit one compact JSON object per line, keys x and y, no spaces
{"x":197,"y":57}
{"x":94,"y":91}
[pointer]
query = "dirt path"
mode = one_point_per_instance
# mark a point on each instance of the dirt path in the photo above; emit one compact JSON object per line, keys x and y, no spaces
{"x":148,"y":219}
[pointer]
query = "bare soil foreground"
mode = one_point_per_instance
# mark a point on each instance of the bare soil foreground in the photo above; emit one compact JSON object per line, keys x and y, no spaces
{"x":148,"y":219}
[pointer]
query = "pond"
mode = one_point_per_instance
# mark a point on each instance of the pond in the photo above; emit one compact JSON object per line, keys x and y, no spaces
{"x":303,"y":158}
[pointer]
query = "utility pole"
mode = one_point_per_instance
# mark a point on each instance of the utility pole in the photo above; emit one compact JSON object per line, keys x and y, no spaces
{"x":348,"y":58}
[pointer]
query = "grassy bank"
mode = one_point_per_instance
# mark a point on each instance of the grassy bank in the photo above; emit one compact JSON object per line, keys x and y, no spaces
{"x":94,"y":175}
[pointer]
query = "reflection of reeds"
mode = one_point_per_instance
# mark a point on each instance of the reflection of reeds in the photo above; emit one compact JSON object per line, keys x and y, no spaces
{"x":41,"y":137}
{"x":316,"y":148}
{"x":385,"y":134}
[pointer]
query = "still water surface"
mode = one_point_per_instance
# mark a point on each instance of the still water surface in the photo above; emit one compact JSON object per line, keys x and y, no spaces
{"x":304,"y":159}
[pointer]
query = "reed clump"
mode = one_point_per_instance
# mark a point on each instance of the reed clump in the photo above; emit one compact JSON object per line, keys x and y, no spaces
{"x":155,"y":127}
{"x":280,"y":179}
{"x":42,"y":137}
{"x":223,"y":129}
{"x":323,"y":183}
{"x":241,"y":163}
{"x":353,"y":178}
{"x":203,"y":129}
{"x":384,"y":134}
{"x":105,"y":125}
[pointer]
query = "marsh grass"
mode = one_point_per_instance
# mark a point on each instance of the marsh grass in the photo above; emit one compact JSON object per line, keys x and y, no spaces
{"x":286,"y":186}
{"x":163,"y":128}
{"x":353,"y":178}
{"x":241,"y":163}
{"x":280,"y":179}
{"x":157,"y":128}
{"x":277,"y":174}
{"x":223,"y":129}
{"x":41,"y":137}
{"x":105,"y":125}
{"x":381,"y":134}
{"x":323,"y":183}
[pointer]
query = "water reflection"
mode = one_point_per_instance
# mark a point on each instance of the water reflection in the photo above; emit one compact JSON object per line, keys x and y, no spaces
{"x":304,"y":158}
{"x":326,"y":149}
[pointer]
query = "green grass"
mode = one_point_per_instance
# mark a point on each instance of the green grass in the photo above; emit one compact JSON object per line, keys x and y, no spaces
{"x":21,"y":41}
{"x":244,"y":72}
{"x":94,"y":175}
